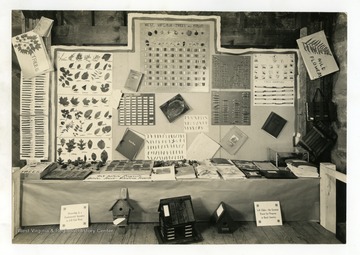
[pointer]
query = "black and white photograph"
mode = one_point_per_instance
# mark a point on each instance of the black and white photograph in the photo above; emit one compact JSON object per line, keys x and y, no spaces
{"x":265,"y":86}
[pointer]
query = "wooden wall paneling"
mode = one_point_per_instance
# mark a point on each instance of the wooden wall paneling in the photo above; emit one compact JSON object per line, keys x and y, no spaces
{"x":89,"y":35}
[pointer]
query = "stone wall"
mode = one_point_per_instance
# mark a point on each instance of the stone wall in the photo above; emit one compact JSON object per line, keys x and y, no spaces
{"x":339,"y":44}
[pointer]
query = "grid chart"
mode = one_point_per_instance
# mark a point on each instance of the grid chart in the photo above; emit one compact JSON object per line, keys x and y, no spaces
{"x":230,"y":108}
{"x":231,"y":72}
{"x":274,"y":79}
{"x":175,"y":56}
{"x":137,"y":110}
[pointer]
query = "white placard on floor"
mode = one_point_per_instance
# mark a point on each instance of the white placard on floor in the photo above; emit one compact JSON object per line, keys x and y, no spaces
{"x":268,"y":213}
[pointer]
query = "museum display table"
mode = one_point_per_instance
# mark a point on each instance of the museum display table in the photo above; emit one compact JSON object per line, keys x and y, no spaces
{"x":41,"y":199}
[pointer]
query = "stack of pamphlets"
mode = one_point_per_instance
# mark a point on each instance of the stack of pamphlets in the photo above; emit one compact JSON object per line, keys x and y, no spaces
{"x":206,"y":170}
{"x":302,"y":168}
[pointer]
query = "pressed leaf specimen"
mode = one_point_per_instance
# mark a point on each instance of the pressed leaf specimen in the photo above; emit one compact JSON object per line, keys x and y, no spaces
{"x":94,"y":100}
{"x":64,"y":101}
{"x":101,"y":144}
{"x":74,"y":101}
{"x":59,"y":151}
{"x":70,"y":145}
{"x":81,"y":145}
{"x":90,"y":144}
{"x":85,"y":76}
{"x":62,"y":142}
{"x":104,"y":156}
{"x":93,"y":87}
{"x":105,"y":87}
{"x":97,"y":115}
{"x":89,"y":127}
{"x":106,"y":56}
{"x":65,"y":77}
{"x":87,"y":114}
{"x":106,"y":129}
{"x":86,"y":101}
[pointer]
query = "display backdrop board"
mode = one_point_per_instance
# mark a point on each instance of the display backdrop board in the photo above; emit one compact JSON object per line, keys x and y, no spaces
{"x":185,"y":38}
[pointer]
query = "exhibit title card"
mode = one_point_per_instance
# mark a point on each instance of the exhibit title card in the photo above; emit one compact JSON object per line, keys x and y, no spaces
{"x":74,"y":216}
{"x":317,"y":56}
{"x":175,"y":53}
{"x":268,"y":213}
{"x":165,"y":146}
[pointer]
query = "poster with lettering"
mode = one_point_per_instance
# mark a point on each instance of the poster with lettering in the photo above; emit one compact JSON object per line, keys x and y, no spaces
{"x":74,"y":216}
{"x":268,"y":213}
{"x":31,"y":54}
{"x":317,"y":55}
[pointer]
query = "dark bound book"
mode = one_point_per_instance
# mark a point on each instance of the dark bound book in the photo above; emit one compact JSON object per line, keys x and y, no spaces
{"x":279,"y":174}
{"x":274,"y":124}
{"x":130,"y":144}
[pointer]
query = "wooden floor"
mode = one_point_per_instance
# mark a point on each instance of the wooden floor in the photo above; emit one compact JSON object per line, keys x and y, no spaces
{"x":246,"y":233}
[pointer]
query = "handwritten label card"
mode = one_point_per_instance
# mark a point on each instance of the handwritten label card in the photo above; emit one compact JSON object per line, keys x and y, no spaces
{"x":74,"y":216}
{"x":165,"y":146}
{"x":196,"y":123}
{"x":268,"y":213}
{"x":317,"y":55}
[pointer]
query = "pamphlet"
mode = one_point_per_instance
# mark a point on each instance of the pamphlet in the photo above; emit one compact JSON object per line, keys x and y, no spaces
{"x":163,"y":173}
{"x":133,"y":80}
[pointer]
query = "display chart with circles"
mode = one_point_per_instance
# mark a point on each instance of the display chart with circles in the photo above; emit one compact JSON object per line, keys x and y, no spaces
{"x":175,"y":56}
{"x":231,"y":72}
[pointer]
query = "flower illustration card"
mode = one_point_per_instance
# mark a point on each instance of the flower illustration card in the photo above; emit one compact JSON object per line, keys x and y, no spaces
{"x":31,"y":54}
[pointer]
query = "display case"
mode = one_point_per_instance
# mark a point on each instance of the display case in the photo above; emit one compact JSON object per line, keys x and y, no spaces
{"x":278,"y":155}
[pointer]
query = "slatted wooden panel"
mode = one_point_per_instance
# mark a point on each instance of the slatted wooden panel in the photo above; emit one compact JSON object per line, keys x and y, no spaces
{"x":238,"y":30}
{"x":246,"y":233}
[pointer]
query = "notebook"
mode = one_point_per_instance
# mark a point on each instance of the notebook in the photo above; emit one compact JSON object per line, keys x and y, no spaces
{"x":274,"y":124}
{"x":130,"y":144}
